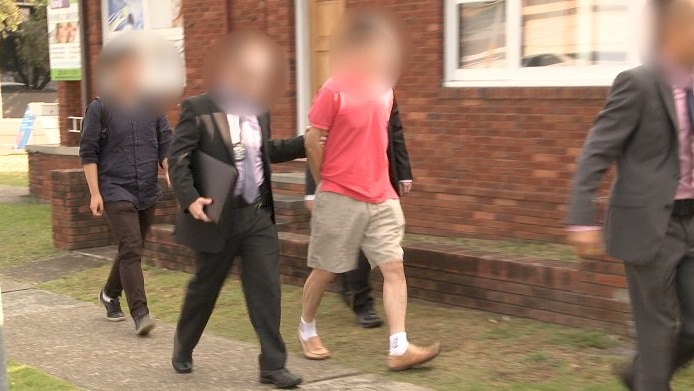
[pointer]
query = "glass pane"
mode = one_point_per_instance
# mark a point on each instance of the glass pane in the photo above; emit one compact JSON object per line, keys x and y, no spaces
{"x":483,"y":34}
{"x":575,"y":32}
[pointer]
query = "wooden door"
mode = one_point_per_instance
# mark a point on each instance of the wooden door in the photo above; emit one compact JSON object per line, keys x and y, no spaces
{"x":324,"y":16}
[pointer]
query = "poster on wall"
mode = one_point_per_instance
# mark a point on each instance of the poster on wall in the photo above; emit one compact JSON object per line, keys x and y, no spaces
{"x":161,"y":16}
{"x":64,"y":48}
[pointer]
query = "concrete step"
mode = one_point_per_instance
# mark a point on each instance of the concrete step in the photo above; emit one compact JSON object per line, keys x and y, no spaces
{"x":289,"y":182}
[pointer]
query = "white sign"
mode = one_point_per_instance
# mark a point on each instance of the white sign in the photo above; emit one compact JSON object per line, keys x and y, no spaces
{"x":161,"y":16}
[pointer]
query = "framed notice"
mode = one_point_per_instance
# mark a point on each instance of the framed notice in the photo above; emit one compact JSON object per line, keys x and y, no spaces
{"x":64,"y":46}
{"x":161,"y":16}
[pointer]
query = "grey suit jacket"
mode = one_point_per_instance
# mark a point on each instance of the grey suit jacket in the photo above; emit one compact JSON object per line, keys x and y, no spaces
{"x":638,"y":130}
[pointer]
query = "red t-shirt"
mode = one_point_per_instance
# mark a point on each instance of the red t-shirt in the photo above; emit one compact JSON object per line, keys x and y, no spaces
{"x":355,"y":160}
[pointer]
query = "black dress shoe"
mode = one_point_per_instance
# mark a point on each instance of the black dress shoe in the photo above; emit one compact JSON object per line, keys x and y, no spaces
{"x":280,"y":378}
{"x":368,"y":318}
{"x":182,"y":363}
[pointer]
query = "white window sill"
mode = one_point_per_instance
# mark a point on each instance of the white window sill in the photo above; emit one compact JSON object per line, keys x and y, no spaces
{"x":526,"y":83}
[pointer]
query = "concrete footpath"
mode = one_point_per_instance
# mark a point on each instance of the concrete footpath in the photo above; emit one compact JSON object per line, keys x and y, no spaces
{"x":71,"y":340}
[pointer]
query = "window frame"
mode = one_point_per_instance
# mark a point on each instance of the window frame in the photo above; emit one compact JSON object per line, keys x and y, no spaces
{"x":516,"y":75}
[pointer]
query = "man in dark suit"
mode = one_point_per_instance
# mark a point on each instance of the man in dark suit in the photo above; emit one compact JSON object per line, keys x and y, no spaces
{"x":356,"y":288}
{"x":646,"y":128}
{"x":222,"y":124}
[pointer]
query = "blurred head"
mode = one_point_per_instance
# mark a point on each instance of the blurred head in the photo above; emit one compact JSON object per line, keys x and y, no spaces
{"x":368,"y":45}
{"x":141,"y":68}
{"x":246,"y":71}
{"x":674,"y":26}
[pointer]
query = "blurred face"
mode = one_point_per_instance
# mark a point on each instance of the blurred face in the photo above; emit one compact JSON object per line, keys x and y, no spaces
{"x":125,"y":74}
{"x":678,"y":31}
{"x":372,"y":65}
{"x":250,"y":74}
{"x":146,"y":70}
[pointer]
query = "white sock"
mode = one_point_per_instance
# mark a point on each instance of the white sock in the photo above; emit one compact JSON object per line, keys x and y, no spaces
{"x":106,"y":298}
{"x":307,"y":330}
{"x":398,"y":344}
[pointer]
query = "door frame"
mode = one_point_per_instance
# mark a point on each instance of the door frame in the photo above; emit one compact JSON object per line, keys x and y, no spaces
{"x":302,"y":31}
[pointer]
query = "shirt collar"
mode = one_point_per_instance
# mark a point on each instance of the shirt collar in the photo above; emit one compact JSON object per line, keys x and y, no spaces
{"x":677,"y":76}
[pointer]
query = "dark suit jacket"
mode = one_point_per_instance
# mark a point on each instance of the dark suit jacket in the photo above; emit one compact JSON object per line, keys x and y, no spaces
{"x":637,"y":129}
{"x":204,"y":127}
{"x":398,"y":158}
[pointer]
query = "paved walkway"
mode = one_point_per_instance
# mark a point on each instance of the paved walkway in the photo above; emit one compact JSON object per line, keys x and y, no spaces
{"x":71,"y":340}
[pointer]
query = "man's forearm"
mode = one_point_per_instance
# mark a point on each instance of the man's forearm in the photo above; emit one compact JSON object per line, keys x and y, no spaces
{"x":314,"y":153}
{"x":91,"y":172}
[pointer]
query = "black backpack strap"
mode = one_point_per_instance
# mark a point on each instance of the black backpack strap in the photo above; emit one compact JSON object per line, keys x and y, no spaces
{"x":105,"y":116}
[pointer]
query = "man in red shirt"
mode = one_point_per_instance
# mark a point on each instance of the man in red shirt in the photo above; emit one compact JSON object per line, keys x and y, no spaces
{"x":356,"y":205}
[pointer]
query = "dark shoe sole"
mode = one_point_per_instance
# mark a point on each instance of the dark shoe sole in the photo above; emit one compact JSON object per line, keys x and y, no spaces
{"x":110,"y":319}
{"x":371,"y":325}
{"x":283,"y":386}
{"x":181,"y":371}
{"x":146,"y":329}
{"x":119,"y":319}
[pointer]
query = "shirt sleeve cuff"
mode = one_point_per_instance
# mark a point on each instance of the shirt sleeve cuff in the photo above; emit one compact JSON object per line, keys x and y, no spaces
{"x":406,"y":181}
{"x":582,"y":228}
{"x":309,"y":197}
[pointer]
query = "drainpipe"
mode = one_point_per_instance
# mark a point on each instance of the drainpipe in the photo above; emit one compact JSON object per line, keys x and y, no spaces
{"x":84,"y":42}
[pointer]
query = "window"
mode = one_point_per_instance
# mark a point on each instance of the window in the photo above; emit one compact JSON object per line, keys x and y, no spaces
{"x":540,"y":42}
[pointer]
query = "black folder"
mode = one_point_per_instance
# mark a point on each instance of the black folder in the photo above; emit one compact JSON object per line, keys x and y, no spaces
{"x":214,"y":179}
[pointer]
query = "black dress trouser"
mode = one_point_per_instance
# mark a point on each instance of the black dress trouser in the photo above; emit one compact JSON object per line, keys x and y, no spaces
{"x":253,"y":238}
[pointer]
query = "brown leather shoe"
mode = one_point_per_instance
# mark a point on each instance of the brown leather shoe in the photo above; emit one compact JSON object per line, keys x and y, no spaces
{"x":414,"y":356}
{"x":314,"y":349}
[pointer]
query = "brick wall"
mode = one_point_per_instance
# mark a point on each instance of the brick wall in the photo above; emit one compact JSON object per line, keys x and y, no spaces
{"x":40,"y":166}
{"x":75,"y":227}
{"x":488,"y":162}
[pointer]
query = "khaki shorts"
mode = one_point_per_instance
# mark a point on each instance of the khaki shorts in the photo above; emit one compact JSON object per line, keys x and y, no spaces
{"x":341,"y":226}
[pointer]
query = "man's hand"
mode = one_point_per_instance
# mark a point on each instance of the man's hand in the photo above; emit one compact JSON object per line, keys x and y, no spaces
{"x":322,"y":140}
{"x":309,"y":204}
{"x":405,"y":187}
{"x":97,"y":205}
{"x":165,"y":167}
{"x":197,"y":209}
{"x":588,"y":243}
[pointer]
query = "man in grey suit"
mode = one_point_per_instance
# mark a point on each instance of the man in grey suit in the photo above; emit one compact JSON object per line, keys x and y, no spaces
{"x":647,"y":128}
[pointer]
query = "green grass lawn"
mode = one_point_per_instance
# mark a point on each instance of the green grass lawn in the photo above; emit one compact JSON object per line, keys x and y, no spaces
{"x":14,"y":179}
{"x":24,"y":378}
{"x":14,"y":169}
{"x":25,"y":233}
